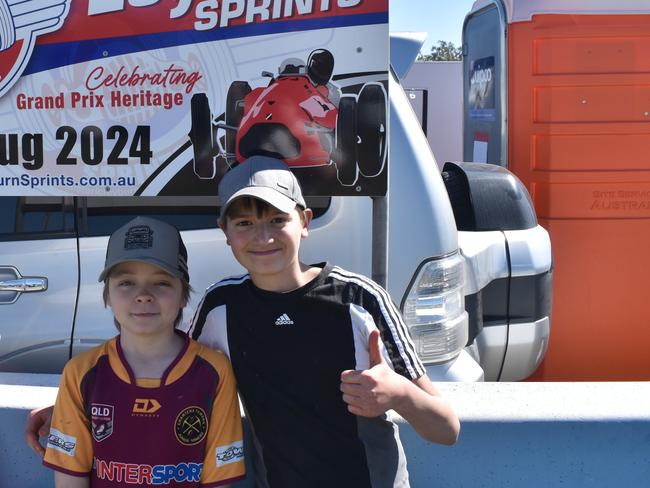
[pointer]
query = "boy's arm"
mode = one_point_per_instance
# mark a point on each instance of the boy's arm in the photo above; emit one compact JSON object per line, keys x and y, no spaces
{"x":69,"y":446}
{"x":372,"y":392}
{"x":62,"y":480}
{"x":38,"y":425}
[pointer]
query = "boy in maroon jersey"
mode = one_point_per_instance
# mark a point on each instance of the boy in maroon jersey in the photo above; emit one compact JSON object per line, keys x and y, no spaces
{"x":150,"y":406}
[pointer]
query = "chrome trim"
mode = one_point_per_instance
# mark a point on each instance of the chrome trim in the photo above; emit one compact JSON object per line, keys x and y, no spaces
{"x":24,"y":285}
{"x":19,"y":284}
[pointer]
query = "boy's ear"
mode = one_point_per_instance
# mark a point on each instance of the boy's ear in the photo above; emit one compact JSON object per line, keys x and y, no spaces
{"x":307,"y":215}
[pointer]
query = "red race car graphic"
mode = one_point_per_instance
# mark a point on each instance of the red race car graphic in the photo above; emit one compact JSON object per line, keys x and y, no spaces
{"x":299,"y":117}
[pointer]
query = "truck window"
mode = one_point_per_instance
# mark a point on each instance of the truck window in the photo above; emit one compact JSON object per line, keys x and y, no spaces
{"x":27,"y":218}
{"x":102,"y":215}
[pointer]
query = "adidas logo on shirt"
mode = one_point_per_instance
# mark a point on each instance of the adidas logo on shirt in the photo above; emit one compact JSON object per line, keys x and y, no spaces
{"x":283,"y":320}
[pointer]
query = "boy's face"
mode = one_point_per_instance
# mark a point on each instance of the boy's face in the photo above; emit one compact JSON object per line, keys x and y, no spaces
{"x":145,"y":299}
{"x":266,"y":243}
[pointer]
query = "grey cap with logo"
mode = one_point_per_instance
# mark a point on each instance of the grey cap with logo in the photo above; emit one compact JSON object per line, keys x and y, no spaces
{"x":262,"y":177}
{"x":149,"y":241}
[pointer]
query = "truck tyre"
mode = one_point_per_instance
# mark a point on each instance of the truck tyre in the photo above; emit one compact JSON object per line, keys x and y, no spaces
{"x":371,"y":129}
{"x":345,"y":154}
{"x":235,"y":113}
{"x":202,"y":137}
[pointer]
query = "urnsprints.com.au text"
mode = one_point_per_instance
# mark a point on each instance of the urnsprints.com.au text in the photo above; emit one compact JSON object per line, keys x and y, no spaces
{"x":28,"y":181}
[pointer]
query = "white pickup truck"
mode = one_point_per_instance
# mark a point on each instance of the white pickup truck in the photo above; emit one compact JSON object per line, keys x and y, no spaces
{"x":467,"y":263}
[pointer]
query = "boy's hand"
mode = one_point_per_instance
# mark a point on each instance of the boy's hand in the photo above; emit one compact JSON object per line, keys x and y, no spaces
{"x":372,"y":392}
{"x":38,"y":425}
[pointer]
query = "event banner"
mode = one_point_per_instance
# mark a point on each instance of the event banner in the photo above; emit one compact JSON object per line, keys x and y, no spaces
{"x":163,"y":97}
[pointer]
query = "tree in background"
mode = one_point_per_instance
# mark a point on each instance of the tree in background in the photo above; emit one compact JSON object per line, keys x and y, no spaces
{"x":444,"y":51}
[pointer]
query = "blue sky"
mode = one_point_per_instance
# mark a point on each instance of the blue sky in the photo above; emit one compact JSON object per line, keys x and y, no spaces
{"x":442,"y":19}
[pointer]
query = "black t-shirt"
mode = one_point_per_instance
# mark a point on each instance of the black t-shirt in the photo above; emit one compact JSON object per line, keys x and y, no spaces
{"x":288,"y":351}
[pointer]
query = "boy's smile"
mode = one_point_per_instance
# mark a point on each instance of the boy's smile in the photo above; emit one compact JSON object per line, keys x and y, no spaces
{"x":266,"y":243}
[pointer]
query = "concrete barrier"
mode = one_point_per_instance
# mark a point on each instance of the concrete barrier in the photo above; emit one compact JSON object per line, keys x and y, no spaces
{"x":513,"y":435}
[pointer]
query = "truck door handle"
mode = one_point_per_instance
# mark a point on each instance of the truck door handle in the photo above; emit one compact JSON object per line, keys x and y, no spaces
{"x":24,"y":285}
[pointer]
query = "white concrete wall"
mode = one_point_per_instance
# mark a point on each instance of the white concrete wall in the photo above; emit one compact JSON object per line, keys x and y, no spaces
{"x":591,"y":435}
{"x":444,"y":82}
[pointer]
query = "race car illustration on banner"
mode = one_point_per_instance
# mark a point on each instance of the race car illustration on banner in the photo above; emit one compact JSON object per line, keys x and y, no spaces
{"x":300,"y":116}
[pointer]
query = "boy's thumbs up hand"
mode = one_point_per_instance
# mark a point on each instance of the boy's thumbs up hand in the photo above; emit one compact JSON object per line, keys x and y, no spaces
{"x":373,"y":349}
{"x":371,"y":392}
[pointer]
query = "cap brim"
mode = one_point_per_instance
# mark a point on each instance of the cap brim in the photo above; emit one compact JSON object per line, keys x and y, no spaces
{"x":174,"y":272}
{"x":266,"y":194}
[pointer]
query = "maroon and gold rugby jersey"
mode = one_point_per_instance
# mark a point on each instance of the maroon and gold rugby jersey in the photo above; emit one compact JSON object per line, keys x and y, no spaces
{"x":182,"y":430}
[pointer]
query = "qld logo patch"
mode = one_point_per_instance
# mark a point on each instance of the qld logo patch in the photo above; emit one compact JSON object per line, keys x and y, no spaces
{"x":191,"y":426}
{"x":101,"y":420}
{"x":20,"y":23}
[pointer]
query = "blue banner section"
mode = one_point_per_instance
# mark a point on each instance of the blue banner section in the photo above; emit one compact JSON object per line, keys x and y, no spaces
{"x":50,"y":56}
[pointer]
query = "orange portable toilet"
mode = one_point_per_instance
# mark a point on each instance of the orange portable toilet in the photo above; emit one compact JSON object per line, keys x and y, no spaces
{"x":559,"y":92}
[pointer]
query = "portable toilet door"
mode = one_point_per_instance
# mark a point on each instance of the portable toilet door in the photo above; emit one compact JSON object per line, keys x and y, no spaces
{"x":573,"y":123}
{"x":485,"y":85}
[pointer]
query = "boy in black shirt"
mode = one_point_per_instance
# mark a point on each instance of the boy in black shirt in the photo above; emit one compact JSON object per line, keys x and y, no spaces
{"x":320,"y":354}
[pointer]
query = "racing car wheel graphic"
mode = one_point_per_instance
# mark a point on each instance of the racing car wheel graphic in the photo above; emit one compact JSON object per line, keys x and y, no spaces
{"x":201,"y":135}
{"x":371,"y":130}
{"x":299,"y":117}
{"x":213,"y":156}
{"x":237,"y":92}
{"x":346,"y":141}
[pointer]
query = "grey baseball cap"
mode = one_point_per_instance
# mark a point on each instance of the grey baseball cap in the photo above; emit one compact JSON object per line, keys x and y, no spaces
{"x":149,"y":241}
{"x":262,"y":177}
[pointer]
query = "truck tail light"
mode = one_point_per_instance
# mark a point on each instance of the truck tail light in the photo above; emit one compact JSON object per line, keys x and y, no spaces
{"x":434,"y":309}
